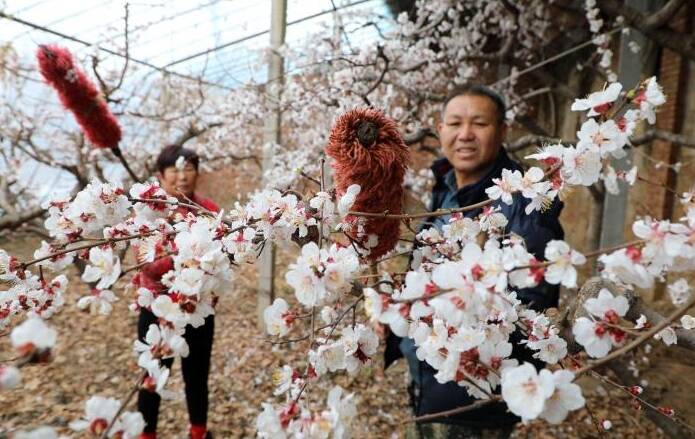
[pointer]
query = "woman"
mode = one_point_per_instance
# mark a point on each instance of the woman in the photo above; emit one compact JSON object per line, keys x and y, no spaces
{"x":180,"y":183}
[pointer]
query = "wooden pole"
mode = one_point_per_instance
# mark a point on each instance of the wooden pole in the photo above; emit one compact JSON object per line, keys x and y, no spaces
{"x":271,"y":138}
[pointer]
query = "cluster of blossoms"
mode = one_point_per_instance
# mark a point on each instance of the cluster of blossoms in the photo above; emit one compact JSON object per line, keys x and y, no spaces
{"x":100,"y":412}
{"x":460,"y":314}
{"x":28,"y":293}
{"x":456,"y":305}
{"x":103,"y":209}
{"x":333,"y":422}
{"x":600,"y":138}
{"x":197,"y":250}
{"x":601,"y":40}
{"x":201,"y":248}
{"x":201,"y":253}
{"x":663,"y":246}
{"x":272,"y":215}
{"x":151,"y":202}
{"x":161,"y":342}
{"x":436,"y":246}
{"x":543,"y":337}
{"x":32,"y":341}
{"x":460,"y":310}
{"x":200,"y":270}
{"x":459,"y":301}
{"x":599,"y":332}
{"x":322,"y":276}
{"x":547,"y":395}
{"x":94,"y":208}
{"x":353,"y":350}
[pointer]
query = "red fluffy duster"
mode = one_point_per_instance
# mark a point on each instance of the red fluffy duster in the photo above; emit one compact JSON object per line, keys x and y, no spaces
{"x":79,"y":95}
{"x":368,"y":150}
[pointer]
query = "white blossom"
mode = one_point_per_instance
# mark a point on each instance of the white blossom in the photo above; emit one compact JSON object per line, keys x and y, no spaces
{"x":651,"y":97}
{"x":606,"y":138}
{"x":505,"y":186}
{"x":348,"y":199}
{"x":605,"y":303}
{"x":551,"y":349}
{"x":525,"y":391}
{"x":679,"y":291}
{"x":596,"y":343}
{"x":688,"y":322}
{"x":598,"y":102}
{"x":99,"y":412}
{"x":342,"y":412}
{"x":43,"y":432}
{"x":328,"y":358}
{"x":360,"y":344}
{"x":624,"y":266}
{"x":98,"y":302}
{"x":268,"y":424}
{"x":283,"y":379}
{"x":667,"y":335}
{"x":10,"y":377}
{"x":581,"y":166}
{"x":56,"y":263}
{"x":278,"y":318}
{"x":104,"y":268}
{"x":33,"y":335}
{"x":562,"y":258}
{"x":566,"y":397}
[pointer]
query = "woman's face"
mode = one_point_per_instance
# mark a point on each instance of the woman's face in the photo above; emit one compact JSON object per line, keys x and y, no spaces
{"x":179,"y":182}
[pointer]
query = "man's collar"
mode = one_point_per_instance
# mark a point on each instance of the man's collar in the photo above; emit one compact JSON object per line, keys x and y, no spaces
{"x":450,"y":180}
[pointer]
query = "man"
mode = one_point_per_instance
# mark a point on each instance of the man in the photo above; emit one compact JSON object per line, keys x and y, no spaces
{"x":471,"y":134}
{"x":179,"y":182}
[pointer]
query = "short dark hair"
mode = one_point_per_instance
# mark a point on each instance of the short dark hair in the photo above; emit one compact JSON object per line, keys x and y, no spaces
{"x":170,"y":153}
{"x":478,"y":90}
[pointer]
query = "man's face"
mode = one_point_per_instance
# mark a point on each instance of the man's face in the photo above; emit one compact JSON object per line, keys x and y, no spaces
{"x":471,"y":135}
{"x":179,"y":181}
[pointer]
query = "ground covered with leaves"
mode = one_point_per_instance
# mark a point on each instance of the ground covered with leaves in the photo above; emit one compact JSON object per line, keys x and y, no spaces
{"x":94,"y":356}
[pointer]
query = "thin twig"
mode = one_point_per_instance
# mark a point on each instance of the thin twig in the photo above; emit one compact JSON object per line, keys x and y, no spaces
{"x":591,"y":254}
{"x":310,"y":178}
{"x":552,"y":59}
{"x":174,"y":202}
{"x":678,"y":421}
{"x":438,"y":212}
{"x":133,"y":391}
{"x":118,"y":153}
{"x":127,"y":49}
{"x":87,"y":246}
{"x":599,"y":428}
{"x":456,"y":411}
{"x":142,"y":264}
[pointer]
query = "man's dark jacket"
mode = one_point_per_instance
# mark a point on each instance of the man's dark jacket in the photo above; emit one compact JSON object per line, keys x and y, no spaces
{"x":429,"y":396}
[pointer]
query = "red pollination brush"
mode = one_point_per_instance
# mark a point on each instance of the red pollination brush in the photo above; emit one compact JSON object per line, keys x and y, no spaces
{"x":368,"y":150}
{"x":79,"y":95}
